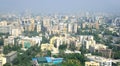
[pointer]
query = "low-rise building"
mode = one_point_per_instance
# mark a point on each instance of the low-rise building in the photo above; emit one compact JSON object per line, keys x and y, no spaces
{"x":9,"y":41}
{"x":46,"y":61}
{"x":28,"y":42}
{"x":92,"y":63}
{"x":101,"y":60}
{"x":16,"y":32}
{"x":47,"y":46}
{"x":70,"y":52}
{"x":3,"y":23}
{"x":105,"y":52}
{"x":1,"y":49}
{"x":100,"y":46}
{"x":2,"y":60}
{"x":11,"y":56}
{"x":4,"y":29}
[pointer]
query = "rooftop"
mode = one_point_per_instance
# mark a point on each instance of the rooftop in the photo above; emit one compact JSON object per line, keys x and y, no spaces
{"x":47,"y":60}
{"x":98,"y":58}
{"x":11,"y":53}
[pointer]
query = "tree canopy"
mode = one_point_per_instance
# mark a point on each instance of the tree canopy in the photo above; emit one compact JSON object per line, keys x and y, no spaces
{"x":71,"y":62}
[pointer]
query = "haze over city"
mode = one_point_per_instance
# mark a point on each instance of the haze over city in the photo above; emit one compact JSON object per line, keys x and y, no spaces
{"x":59,"y":32}
{"x":59,"y":6}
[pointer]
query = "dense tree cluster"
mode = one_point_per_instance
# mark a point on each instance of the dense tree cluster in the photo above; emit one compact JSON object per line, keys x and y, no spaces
{"x":71,"y":62}
{"x":63,"y":46}
{"x":31,"y":33}
{"x":24,"y":57}
{"x":74,"y":58}
{"x":9,"y":48}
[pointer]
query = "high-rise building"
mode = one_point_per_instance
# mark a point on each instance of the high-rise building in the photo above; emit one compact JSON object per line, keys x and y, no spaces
{"x":83,"y":25}
{"x":117,"y":22}
{"x":2,"y":60}
{"x":15,"y":32}
{"x":70,"y":27}
{"x":32,"y":25}
{"x":46,"y":22}
{"x":38,"y":28}
{"x":1,"y":49}
{"x":3,"y":23}
{"x":4,"y":29}
{"x":96,"y":25}
{"x":75,"y":28}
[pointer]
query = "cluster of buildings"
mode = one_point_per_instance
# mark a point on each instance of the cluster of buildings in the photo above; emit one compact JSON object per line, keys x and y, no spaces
{"x":90,"y":25}
{"x":98,"y":61}
{"x":58,"y":30}
{"x":94,"y":60}
{"x":81,"y":41}
{"x":27,"y":42}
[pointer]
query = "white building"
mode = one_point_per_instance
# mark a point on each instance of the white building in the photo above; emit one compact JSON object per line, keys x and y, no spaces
{"x":103,"y":61}
{"x":75,"y":27}
{"x":70,"y":27}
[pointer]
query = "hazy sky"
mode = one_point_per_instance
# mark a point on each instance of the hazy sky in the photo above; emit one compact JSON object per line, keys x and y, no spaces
{"x":51,"y":6}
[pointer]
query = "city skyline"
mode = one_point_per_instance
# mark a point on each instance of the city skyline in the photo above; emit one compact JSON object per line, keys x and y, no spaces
{"x":59,"y":6}
{"x":59,"y":33}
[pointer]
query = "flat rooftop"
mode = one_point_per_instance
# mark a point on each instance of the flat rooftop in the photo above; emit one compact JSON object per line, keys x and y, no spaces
{"x":11,"y":53}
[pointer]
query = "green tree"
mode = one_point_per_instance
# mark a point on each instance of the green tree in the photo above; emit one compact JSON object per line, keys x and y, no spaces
{"x":75,"y":56}
{"x":97,"y":38}
{"x":72,"y":47}
{"x":48,"y":53}
{"x":24,"y":59}
{"x":107,"y":32}
{"x":1,"y":41}
{"x":117,"y":55}
{"x":44,"y":40}
{"x":118,"y":64}
{"x":7,"y":64}
{"x":71,"y":62}
{"x":30,"y":33}
{"x":63,"y":46}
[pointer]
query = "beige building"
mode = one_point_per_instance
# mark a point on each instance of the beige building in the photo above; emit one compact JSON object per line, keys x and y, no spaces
{"x":92,"y":63}
{"x":97,"y":25}
{"x":47,"y":47}
{"x":32,"y":25}
{"x":100,"y":46}
{"x":3,"y":23}
{"x":64,"y":18}
{"x":83,"y":25}
{"x":29,"y":24}
{"x":38,"y":28}
{"x":46,"y":22}
{"x":15,"y":32}
{"x":2,"y":60}
{"x":55,"y":42}
{"x":9,"y":41}
{"x":27,"y":42}
{"x":89,"y":43}
{"x":50,"y":47}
